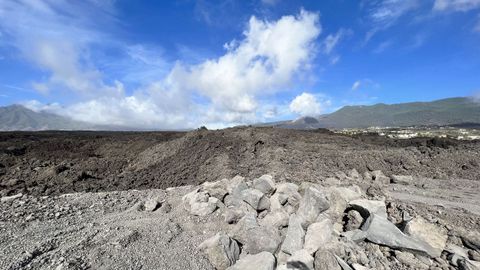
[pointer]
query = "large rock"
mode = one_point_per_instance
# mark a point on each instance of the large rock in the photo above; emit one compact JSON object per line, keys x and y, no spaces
{"x":255,"y":238}
{"x":236,"y":208}
{"x":265,"y":184}
{"x":204,"y":208}
{"x":342,"y":263}
{"x":353,"y":221}
{"x":260,"y":261}
{"x":380,"y":178}
{"x":369,"y":207}
{"x":325,"y":260}
{"x":421,"y":229}
{"x":311,"y":205}
{"x":221,"y":250}
{"x":300,"y":260}
{"x":338,"y":197}
{"x":236,"y":185}
{"x":199,"y":203}
{"x":318,"y":235}
{"x":216,"y":189}
{"x":275,"y":219}
{"x":381,"y":231}
{"x":294,"y":238}
{"x":255,"y":198}
{"x":288,"y":192}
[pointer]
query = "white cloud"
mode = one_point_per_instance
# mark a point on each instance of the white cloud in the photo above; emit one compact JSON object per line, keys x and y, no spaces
{"x":364,"y":83}
{"x":216,"y":92}
{"x":456,"y":5}
{"x":307,"y":104}
{"x":331,"y":41}
{"x":356,"y":85}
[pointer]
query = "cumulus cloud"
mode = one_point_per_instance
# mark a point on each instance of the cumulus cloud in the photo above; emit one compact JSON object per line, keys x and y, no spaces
{"x":456,"y":5}
{"x":216,"y":92}
{"x":307,"y":104}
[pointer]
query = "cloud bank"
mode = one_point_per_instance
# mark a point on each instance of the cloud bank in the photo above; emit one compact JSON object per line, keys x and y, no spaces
{"x":217,"y":92}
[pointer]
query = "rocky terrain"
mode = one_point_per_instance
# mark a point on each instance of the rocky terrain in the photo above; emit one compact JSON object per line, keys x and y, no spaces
{"x":242,"y":198}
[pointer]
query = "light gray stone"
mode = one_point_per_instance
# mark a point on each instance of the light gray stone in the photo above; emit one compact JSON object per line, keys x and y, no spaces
{"x":294,"y":238}
{"x":236,"y":208}
{"x":221,"y":250}
{"x":381,"y":231}
{"x":342,"y":263}
{"x":260,"y":261}
{"x":311,"y":205}
{"x":300,"y":260}
{"x":275,"y":219}
{"x":255,"y":238}
{"x":204,"y":208}
{"x":421,"y":229}
{"x":265,"y":184}
{"x":318,"y":235}
{"x":353,"y":220}
{"x":369,"y":207}
{"x":150,"y":205}
{"x":357,"y":266}
{"x":325,"y":260}
{"x":236,"y":185}
{"x":216,"y":189}
{"x":380,"y":178}
{"x":255,"y":198}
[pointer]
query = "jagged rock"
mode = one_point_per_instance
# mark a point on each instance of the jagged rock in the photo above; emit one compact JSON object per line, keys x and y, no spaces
{"x":342,"y":263}
{"x":410,"y":260}
{"x":288,"y":190}
{"x":236,"y":185}
{"x":381,"y":231}
{"x":470,"y":239}
{"x":236,"y":208}
{"x":318,"y":234}
{"x":204,"y":208}
{"x":255,"y":238}
{"x":355,"y":235}
{"x":260,"y":261}
{"x":151,"y":205}
{"x":353,"y":220}
{"x":265,"y":184}
{"x":380,"y":178}
{"x":255,"y":198}
{"x":402,"y":179}
{"x":338,"y":198}
{"x":421,"y":229}
{"x":277,"y":202}
{"x":221,"y":250}
{"x":216,"y":189}
{"x":311,"y":205}
{"x":325,"y":260}
{"x":301,"y":260}
{"x":295,"y":236}
{"x":369,"y":207}
{"x":275,"y":219}
{"x":459,"y":257}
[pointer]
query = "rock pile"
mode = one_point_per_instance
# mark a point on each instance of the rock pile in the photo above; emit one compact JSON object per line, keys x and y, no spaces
{"x":287,"y":226}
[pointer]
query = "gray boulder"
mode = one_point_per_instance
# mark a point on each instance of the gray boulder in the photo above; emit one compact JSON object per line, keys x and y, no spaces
{"x":255,"y":198}
{"x":255,"y":238}
{"x":236,"y":185}
{"x":421,"y":229}
{"x":221,"y":250}
{"x":380,"y":178}
{"x":369,"y":207}
{"x":311,"y":205}
{"x":236,"y":208}
{"x":325,"y":260}
{"x":381,"y":231}
{"x":275,"y":219}
{"x":295,"y":236}
{"x":216,"y":189}
{"x":265,"y":184}
{"x":353,"y":220}
{"x":204,"y":208}
{"x":318,"y":235}
{"x":260,"y":261}
{"x":342,"y":263}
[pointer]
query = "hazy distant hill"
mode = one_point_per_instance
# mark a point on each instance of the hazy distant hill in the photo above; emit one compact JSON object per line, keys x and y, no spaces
{"x":17,"y":117}
{"x":451,"y":111}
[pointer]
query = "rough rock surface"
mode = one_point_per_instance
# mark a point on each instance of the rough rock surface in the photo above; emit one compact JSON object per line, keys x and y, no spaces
{"x":433,"y":235}
{"x":221,"y":250}
{"x":260,"y":261}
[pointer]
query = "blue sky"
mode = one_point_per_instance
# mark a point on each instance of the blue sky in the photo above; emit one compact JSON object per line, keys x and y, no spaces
{"x":186,"y":63}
